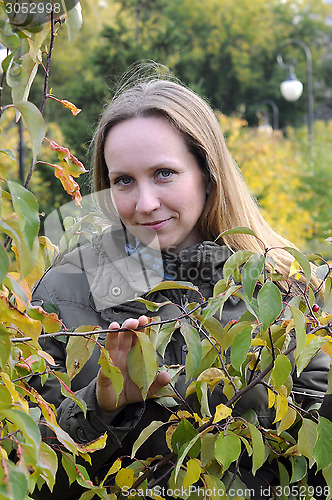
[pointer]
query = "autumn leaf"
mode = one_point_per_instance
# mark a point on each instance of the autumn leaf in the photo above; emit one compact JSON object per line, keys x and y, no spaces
{"x":74,"y":109}
{"x":69,"y":184}
{"x":10,"y":315}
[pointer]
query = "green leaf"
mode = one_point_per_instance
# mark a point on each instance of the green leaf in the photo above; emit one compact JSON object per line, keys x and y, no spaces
{"x":170,"y":285}
{"x":79,"y":350}
{"x":308,"y":353}
{"x":327,"y":473}
{"x":302,"y":260}
{"x":328,"y":295}
{"x":269,"y":304}
{"x":6,"y":401}
{"x":258,"y":452}
{"x":238,"y":230}
{"x":234,"y":261}
{"x":111,"y":371}
{"x":207,"y":449}
{"x":5,"y":346}
{"x":35,"y":124}
{"x":66,"y":391}
{"x":8,"y":152}
{"x":164,"y":336}
{"x":322,"y":452}
{"x":4,"y":263}
{"x":299,"y":468}
{"x":73,"y":21}
{"x":191,"y":449}
{"x":250,"y":273}
{"x":281,"y":370}
{"x":217,"y":303}
{"x":284,"y":481}
{"x":26,"y":208}
{"x":63,"y":437}
{"x":300,"y":329}
{"x":183,"y":436}
{"x":145,"y":434}
{"x":307,"y":439}
{"x":227,"y":449}
{"x":240,"y":347}
{"x":26,"y":425}
{"x":143,"y":363}
{"x":152,"y":306}
{"x":216,"y":488}
{"x":48,"y":462}
{"x":14,"y":485}
{"x":194,"y":353}
{"x":15,"y":287}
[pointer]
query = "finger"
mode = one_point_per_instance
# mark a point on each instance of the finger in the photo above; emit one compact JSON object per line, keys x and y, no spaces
{"x":130,"y":323}
{"x":161,"y":380}
{"x":114,"y":325}
{"x":143,"y":320}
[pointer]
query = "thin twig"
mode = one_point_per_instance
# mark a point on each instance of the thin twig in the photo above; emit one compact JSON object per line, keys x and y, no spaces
{"x":86,"y":334}
{"x":45,"y":91}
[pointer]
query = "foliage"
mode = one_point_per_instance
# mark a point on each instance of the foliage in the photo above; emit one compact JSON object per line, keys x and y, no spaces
{"x":286,"y":178}
{"x":205,"y":445}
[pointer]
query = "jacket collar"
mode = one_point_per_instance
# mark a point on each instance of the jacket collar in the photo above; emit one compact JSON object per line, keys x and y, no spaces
{"x":124,"y":274}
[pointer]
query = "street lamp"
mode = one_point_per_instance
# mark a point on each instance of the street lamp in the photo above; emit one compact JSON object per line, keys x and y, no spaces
{"x":275,"y":112}
{"x":291,"y":89}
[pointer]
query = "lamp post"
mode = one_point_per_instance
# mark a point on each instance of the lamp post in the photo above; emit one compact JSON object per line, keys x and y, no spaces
{"x":291,"y":89}
{"x":275,"y":112}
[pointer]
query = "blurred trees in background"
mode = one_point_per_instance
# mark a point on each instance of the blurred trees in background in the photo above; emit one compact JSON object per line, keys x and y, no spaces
{"x":226,"y":51}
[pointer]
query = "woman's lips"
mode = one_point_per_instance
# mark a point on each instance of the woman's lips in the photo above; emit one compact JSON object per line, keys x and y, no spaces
{"x":158,"y":224}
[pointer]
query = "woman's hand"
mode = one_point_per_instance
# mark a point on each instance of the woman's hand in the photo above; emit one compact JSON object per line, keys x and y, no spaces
{"x":118,"y":345}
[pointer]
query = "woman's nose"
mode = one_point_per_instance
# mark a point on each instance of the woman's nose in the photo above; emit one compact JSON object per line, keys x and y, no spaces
{"x":147,"y":201}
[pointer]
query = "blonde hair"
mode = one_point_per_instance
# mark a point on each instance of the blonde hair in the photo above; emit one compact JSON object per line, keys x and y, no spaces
{"x":229,"y":203}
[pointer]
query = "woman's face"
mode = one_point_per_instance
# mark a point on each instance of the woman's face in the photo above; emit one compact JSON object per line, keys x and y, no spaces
{"x":157,"y":186}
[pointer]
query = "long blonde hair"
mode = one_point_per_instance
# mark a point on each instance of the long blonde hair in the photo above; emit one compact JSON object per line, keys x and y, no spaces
{"x":229,"y":203}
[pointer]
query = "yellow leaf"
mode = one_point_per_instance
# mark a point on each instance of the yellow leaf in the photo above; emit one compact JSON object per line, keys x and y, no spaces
{"x":13,"y":317}
{"x":50,"y":247}
{"x":327,"y":348}
{"x":271,"y":398}
{"x":281,"y":407}
{"x":295,"y":269}
{"x":183,"y":414}
{"x":52,"y":324}
{"x":257,"y":341}
{"x":9,"y":385}
{"x":97,"y":444}
{"x":79,"y":350}
{"x":115,"y":467}
{"x":169,"y":433}
{"x":191,"y":388}
{"x":69,"y":105}
{"x":21,"y":305}
{"x":222,"y":412}
{"x":212,"y":376}
{"x":69,"y":184}
{"x":193,"y":472}
{"x":46,"y":356}
{"x":287,"y":421}
{"x":125,"y":477}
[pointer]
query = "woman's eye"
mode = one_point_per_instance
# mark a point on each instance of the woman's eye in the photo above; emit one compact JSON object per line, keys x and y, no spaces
{"x":165,"y":173}
{"x":123,"y":181}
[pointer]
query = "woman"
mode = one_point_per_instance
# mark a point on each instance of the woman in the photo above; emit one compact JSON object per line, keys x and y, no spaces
{"x":167,"y":183}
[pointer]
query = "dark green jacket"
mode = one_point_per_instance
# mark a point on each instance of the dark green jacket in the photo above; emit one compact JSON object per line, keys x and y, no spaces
{"x":97,"y":284}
